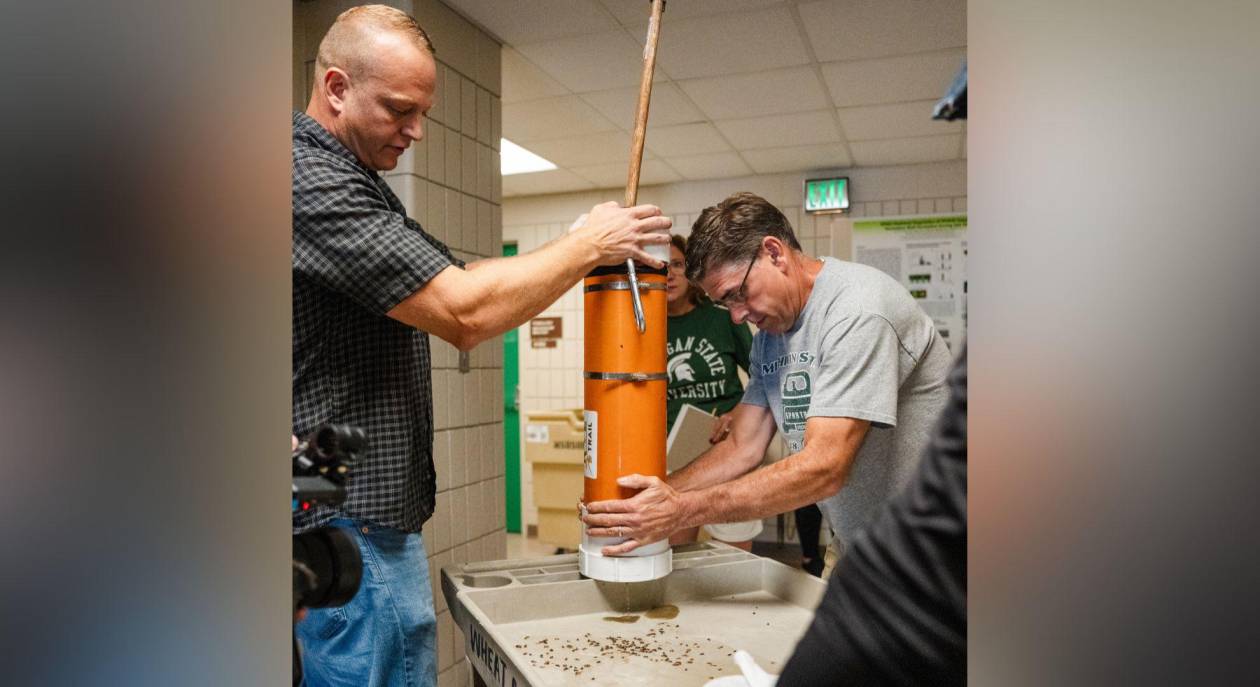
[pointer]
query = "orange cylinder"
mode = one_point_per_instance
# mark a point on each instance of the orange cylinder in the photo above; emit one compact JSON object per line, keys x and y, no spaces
{"x":625,"y":382}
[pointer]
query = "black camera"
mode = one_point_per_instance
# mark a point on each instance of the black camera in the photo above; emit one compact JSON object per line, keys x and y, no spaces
{"x":327,"y":567}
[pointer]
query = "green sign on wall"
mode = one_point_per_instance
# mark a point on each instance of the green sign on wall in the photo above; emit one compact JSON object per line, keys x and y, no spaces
{"x":827,"y":195}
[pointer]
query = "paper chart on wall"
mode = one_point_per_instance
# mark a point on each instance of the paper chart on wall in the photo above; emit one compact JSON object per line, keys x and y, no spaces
{"x":927,"y":255}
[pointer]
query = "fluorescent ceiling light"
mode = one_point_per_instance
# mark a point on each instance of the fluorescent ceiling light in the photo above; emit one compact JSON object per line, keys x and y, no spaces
{"x":516,"y":160}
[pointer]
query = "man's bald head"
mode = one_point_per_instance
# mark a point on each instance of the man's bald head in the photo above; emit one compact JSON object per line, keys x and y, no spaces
{"x":375,"y":81}
{"x":350,"y":42}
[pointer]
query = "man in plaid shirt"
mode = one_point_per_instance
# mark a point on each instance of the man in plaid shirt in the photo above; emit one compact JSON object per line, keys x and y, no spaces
{"x":369,"y":286}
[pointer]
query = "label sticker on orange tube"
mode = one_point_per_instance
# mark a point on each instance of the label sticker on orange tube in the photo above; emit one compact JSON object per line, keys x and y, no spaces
{"x":590,"y":456}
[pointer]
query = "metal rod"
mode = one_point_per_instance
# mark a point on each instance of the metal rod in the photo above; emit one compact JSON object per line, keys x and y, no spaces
{"x":636,"y":145}
{"x":636,"y":301}
{"x":623,"y":286}
{"x":628,"y":376}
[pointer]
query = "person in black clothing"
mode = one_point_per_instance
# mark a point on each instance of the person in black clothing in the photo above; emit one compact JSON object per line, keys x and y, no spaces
{"x":895,"y":609}
{"x":808,"y":524}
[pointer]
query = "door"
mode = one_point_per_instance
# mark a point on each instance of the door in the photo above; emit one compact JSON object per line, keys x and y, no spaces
{"x":512,"y":421}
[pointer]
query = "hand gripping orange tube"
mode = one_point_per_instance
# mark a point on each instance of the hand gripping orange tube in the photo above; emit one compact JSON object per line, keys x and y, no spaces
{"x":625,"y":380}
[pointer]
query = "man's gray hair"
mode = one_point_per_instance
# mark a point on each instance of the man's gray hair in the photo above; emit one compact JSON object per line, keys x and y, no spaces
{"x":731,"y":232}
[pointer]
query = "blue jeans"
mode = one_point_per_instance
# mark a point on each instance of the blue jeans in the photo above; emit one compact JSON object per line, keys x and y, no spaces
{"x":387,"y":635}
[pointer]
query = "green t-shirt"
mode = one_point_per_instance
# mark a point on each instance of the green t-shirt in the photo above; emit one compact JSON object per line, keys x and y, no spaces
{"x":703,"y":348}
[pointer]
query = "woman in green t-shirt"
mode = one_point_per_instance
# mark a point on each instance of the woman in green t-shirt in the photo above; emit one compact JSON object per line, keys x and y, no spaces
{"x":704,"y":348}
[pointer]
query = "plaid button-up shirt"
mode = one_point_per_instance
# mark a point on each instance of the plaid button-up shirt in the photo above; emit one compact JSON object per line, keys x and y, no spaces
{"x":356,"y":255}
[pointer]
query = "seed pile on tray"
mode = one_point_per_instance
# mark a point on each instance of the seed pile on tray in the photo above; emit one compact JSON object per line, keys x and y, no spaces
{"x":661,"y":644}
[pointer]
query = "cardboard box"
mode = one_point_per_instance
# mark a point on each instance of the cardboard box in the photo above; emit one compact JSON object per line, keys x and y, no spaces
{"x":557,"y":485}
{"x":554,"y":436}
{"x":560,"y":527}
{"x":553,"y":446}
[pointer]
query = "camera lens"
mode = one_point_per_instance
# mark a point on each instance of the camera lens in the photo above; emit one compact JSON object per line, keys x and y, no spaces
{"x":353,"y":439}
{"x":326,"y":442}
{"x":333,"y":559}
{"x":333,"y":441}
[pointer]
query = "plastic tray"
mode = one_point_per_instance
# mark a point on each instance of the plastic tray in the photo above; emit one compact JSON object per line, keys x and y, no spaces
{"x":537,"y":622}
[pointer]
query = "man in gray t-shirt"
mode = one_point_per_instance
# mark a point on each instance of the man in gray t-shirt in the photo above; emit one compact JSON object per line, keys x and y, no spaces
{"x":861,"y":348}
{"x":845,"y":364}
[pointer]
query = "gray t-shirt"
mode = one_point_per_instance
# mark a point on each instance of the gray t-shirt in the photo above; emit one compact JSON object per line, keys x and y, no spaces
{"x":862,"y":348}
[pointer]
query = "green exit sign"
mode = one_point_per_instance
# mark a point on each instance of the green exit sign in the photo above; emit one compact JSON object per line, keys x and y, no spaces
{"x":827,"y":195}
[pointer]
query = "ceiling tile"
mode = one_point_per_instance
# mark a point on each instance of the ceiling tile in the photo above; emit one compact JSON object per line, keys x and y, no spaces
{"x":863,"y":29}
{"x":614,"y":175}
{"x":553,"y":181}
{"x":522,"y":21}
{"x":796,"y":89}
{"x":797,"y":158}
{"x":893,"y":121}
{"x":779,"y":131}
{"x":685,"y":139}
{"x":731,"y":43}
{"x":522,"y":80}
{"x":592,"y":62}
{"x":716,"y":166}
{"x":552,"y":118}
{"x":613,"y":146}
{"x":892,"y":79}
{"x":904,"y":151}
{"x":668,"y":106}
{"x":634,"y":13}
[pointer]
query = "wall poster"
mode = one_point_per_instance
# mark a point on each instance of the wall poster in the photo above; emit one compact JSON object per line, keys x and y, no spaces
{"x":928,"y":255}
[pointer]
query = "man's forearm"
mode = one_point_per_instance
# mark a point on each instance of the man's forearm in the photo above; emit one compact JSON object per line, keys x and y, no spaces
{"x":468,"y":306}
{"x":509,"y":291}
{"x":798,"y":480}
{"x":723,"y":462}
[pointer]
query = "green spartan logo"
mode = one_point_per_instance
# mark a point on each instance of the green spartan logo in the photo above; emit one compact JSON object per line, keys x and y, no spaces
{"x":796,"y":395}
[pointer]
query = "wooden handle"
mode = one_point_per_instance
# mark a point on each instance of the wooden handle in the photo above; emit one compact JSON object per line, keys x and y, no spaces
{"x":645,"y":96}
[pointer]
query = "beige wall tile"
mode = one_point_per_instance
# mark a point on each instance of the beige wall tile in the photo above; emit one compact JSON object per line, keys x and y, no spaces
{"x":468,"y":168}
{"x":485,"y":113}
{"x":440,"y":523}
{"x":459,"y":520}
{"x":435,"y":140}
{"x":437,"y":113}
{"x":489,"y":65}
{"x":486,"y":169}
{"x":454,"y":159}
{"x":468,"y":109}
{"x":453,"y":95}
{"x":468,"y":212}
{"x":454,"y":219}
{"x":442,"y":459}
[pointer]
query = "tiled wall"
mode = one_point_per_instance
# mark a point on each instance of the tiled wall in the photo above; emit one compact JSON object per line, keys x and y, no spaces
{"x":450,"y":183}
{"x":551,"y":378}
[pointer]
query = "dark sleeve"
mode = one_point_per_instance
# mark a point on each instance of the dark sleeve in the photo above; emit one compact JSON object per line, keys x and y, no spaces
{"x":743,"y":342}
{"x":895,"y":609}
{"x":347,"y":238}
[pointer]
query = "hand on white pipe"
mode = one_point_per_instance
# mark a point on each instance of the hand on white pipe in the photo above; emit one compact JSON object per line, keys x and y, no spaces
{"x":651,"y":515}
{"x":616,"y":234}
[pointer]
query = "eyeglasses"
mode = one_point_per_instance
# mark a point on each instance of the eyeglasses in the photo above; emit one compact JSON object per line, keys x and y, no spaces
{"x":738,"y":296}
